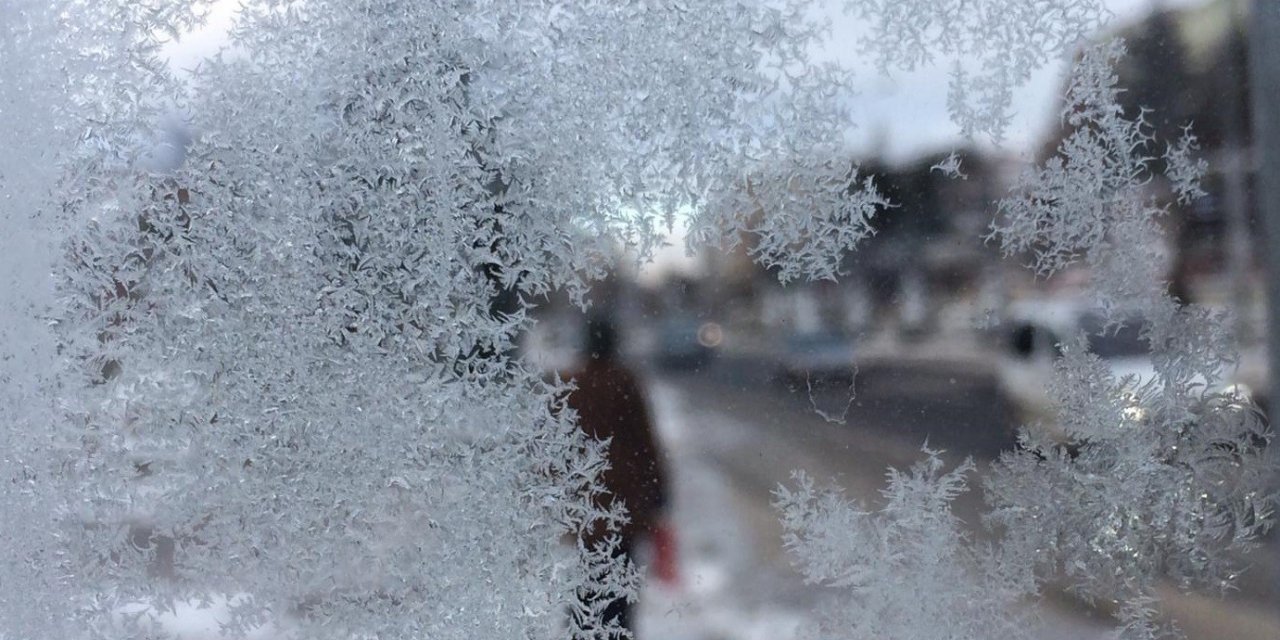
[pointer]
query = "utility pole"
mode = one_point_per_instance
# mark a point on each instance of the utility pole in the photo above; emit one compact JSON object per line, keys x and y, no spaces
{"x":1264,"y":68}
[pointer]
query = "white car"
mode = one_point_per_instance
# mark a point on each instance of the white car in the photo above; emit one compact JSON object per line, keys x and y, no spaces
{"x":1033,"y":332}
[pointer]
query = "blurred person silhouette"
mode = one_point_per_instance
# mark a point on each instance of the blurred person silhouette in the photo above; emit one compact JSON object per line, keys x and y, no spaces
{"x":611,"y":406}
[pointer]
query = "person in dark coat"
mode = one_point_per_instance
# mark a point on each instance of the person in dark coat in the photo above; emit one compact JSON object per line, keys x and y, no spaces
{"x":611,"y":405}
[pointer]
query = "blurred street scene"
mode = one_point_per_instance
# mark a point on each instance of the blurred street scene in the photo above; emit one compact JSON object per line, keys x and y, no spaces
{"x":930,"y":337}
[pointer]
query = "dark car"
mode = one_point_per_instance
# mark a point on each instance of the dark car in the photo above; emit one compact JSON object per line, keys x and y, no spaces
{"x":825,"y":356}
{"x":686,"y":342}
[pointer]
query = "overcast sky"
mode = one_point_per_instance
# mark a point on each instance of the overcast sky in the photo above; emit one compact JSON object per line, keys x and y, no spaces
{"x":906,"y":115}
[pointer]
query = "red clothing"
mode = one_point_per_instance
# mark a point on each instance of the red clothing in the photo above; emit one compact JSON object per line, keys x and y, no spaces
{"x":610,"y":405}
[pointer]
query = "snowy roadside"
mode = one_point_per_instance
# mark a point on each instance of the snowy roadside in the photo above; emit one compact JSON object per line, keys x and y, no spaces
{"x":718,"y":595}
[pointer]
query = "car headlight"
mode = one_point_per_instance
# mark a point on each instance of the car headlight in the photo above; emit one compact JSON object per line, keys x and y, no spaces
{"x":710,"y":335}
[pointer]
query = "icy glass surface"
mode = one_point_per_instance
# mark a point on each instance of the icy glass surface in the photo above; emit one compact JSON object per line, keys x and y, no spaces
{"x":281,"y":376}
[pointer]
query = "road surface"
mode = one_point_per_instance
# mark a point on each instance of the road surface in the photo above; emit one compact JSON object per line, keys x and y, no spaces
{"x":734,"y":435}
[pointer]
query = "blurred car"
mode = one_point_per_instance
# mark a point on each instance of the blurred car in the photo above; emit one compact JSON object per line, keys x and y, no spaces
{"x":819,"y":355}
{"x":685,"y":342}
{"x":1251,"y":378}
{"x":1032,"y":341}
{"x":926,"y":364}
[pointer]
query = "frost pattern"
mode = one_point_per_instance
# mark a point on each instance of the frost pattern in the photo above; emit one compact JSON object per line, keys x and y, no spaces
{"x":950,"y":167}
{"x":1168,"y":479}
{"x":1184,"y":169}
{"x":1090,"y":198}
{"x":788,"y":215}
{"x":291,"y":384}
{"x":77,"y":83}
{"x":1008,"y":39}
{"x":285,"y":379}
{"x":905,"y":569}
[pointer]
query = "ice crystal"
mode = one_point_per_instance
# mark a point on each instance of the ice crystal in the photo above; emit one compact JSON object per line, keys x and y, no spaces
{"x":950,"y":166}
{"x":289,"y":380}
{"x":1075,"y":208}
{"x":1007,"y":39}
{"x":883,"y":561}
{"x":78,"y":82}
{"x":1165,"y":478}
{"x":803,"y":217}
{"x":1185,"y":170}
{"x":280,"y":377}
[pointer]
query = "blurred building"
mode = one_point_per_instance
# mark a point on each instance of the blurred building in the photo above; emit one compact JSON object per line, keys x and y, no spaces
{"x":1187,"y":70}
{"x":927,"y":258}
